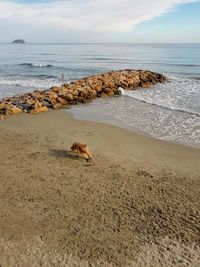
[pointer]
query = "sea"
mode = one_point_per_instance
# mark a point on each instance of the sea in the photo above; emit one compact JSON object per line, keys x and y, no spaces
{"x":169,"y":111}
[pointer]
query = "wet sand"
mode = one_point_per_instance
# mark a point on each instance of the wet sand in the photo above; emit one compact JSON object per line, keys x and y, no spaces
{"x":135,"y":204}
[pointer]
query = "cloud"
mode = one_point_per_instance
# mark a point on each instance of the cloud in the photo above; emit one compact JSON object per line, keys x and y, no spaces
{"x":100,"y":15}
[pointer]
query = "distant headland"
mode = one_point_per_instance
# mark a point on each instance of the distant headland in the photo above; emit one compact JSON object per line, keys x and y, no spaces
{"x":18,"y":41}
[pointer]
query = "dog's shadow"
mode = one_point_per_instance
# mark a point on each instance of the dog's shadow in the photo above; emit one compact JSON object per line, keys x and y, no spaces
{"x":61,"y":153}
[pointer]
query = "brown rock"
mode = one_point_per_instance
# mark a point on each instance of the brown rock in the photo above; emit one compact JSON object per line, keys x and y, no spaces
{"x":130,"y":81}
{"x":16,"y":96}
{"x":85,"y":93}
{"x":38,"y":110}
{"x":153,"y":81}
{"x":62,"y":100}
{"x":58,"y":89}
{"x":103,"y":95}
{"x":57,"y":106}
{"x":6,"y":98}
{"x":111,"y":84}
{"x":38,"y":95}
{"x":93,"y":85}
{"x":162,"y":79}
{"x":69,"y":97}
{"x":92,"y":93}
{"x":73,"y":92}
{"x":118,"y":92}
{"x":38,"y":104}
{"x":82,"y":100}
{"x":136,"y":79}
{"x":53,"y":101}
{"x":124,"y":84}
{"x":52,"y":95}
{"x":12,"y":110}
{"x":46,"y":103}
{"x":145,"y":85}
{"x":54,"y":88}
{"x":66,"y":85}
{"x":81,"y":81}
{"x":75,"y":83}
{"x":98,"y":88}
{"x":30,"y":101}
{"x":109,"y":91}
{"x":2,"y":105}
{"x":43,"y":109}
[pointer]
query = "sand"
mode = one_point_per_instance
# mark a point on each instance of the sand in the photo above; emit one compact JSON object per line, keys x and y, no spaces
{"x":137,"y":203}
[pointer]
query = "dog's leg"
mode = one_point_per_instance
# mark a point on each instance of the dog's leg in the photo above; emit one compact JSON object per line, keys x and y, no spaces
{"x":88,"y":153}
{"x":75,"y":152}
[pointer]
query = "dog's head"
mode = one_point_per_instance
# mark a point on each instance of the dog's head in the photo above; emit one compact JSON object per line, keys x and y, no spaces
{"x":73,"y":147}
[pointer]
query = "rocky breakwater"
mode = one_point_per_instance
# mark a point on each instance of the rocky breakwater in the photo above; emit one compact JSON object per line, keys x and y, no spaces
{"x":80,"y":91}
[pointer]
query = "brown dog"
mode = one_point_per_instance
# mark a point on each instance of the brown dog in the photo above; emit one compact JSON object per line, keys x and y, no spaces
{"x":81,"y":149}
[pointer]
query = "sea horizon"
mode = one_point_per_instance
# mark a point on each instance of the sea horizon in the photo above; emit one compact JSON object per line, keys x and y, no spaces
{"x":159,"y":43}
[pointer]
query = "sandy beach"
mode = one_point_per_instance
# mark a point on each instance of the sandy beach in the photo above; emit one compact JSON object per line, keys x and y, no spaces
{"x":135,"y":204}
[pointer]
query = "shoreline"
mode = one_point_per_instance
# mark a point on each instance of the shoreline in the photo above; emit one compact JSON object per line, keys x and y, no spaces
{"x":119,"y":125}
{"x":103,"y":86}
{"x":136,"y":202}
{"x":156,"y":144}
{"x":101,"y":118}
{"x":80,"y":113}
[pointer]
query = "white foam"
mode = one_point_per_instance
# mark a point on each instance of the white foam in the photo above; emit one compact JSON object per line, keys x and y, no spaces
{"x":40,"y":65}
{"x":30,"y":82}
{"x":179,"y":93}
{"x":161,"y":123}
{"x":9,"y":87}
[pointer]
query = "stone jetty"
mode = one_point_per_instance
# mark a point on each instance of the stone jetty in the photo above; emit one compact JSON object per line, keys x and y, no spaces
{"x":80,"y":91}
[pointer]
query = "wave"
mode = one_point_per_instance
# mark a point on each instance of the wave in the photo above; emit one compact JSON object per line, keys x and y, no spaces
{"x":196,"y":78}
{"x":36,"y":65}
{"x":39,"y":76}
{"x":169,"y":64}
{"x":98,"y":58}
{"x":155,"y":102}
{"x":33,"y":83}
{"x":182,"y":65}
{"x":108,"y":59}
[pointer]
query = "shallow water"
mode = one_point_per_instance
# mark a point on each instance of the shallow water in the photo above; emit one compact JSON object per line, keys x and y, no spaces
{"x":125,"y":112}
{"x":169,"y":111}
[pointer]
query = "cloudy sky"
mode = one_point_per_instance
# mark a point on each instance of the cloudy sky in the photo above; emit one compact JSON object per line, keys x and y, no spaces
{"x":146,"y":21}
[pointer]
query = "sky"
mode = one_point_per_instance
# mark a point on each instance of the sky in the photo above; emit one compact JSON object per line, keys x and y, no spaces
{"x":86,"y":21}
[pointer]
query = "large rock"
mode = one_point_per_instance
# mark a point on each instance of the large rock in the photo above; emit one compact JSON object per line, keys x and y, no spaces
{"x":109,"y":92}
{"x":145,"y":84}
{"x":69,"y":97}
{"x":103,"y":95}
{"x":62,"y":101}
{"x":38,"y":110}
{"x":57,"y":106}
{"x":12,"y":110}
{"x":30,"y":101}
{"x":2,"y":106}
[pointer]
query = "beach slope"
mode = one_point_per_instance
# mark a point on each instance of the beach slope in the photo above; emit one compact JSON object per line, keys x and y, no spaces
{"x":137,"y":202}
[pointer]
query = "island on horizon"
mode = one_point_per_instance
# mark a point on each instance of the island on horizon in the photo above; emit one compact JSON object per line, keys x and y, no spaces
{"x":18,"y":41}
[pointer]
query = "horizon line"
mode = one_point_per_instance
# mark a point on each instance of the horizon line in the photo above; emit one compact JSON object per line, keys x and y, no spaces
{"x":101,"y":43}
